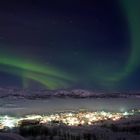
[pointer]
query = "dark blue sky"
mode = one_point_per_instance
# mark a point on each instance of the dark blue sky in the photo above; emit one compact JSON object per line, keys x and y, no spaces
{"x":82,"y":38}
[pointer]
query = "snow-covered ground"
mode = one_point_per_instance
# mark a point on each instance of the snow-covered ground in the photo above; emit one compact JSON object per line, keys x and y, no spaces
{"x":24,"y":106}
{"x":10,"y":136}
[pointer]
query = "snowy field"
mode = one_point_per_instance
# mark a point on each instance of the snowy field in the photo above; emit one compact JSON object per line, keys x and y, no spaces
{"x":16,"y":106}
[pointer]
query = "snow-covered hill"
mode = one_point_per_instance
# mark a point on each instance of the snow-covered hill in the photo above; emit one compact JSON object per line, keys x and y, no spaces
{"x":62,"y":93}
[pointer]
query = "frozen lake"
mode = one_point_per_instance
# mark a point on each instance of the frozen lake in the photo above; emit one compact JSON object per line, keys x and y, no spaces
{"x":24,"y":106}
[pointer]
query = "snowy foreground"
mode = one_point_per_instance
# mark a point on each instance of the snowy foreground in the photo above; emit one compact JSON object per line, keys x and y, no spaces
{"x":72,"y":133}
{"x":9,"y":136}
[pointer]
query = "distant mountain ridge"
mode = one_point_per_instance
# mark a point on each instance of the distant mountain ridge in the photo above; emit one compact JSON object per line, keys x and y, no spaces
{"x":62,"y":93}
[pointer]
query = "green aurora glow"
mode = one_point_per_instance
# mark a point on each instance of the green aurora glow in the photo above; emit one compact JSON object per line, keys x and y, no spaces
{"x":111,"y":78}
{"x":106,"y":75}
{"x":132,"y":12}
{"x":45,"y":75}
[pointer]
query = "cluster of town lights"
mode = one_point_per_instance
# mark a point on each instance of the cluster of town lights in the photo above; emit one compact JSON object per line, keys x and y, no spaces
{"x":79,"y":118}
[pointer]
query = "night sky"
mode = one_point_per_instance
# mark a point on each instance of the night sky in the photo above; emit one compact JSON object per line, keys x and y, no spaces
{"x":70,"y":44}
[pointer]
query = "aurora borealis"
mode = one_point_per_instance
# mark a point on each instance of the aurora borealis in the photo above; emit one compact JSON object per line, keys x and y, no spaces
{"x":45,"y":75}
{"x":93,"y":45}
{"x":131,"y":11}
